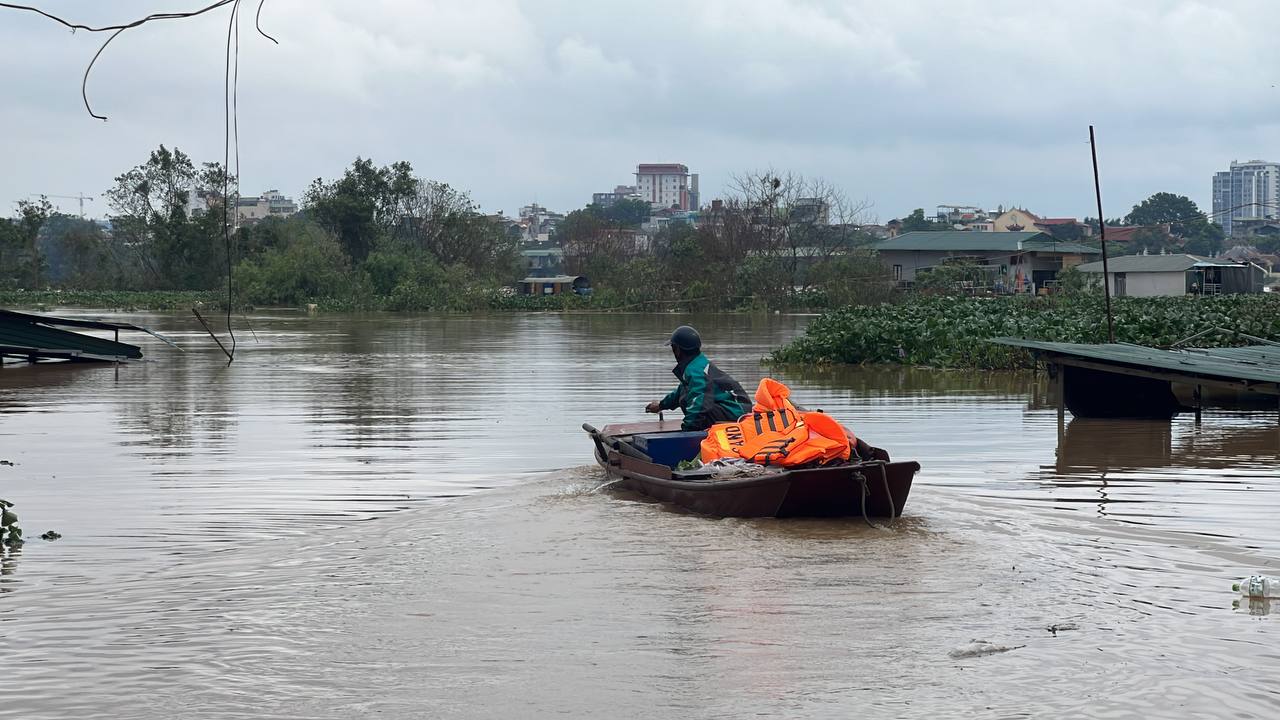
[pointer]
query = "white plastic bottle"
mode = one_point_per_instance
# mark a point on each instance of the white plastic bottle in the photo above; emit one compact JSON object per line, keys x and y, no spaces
{"x":1258,"y":586}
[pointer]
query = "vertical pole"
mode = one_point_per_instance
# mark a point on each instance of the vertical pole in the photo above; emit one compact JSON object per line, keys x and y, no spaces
{"x":1060,"y":382}
{"x":1102,"y":232}
{"x":1199,"y":403}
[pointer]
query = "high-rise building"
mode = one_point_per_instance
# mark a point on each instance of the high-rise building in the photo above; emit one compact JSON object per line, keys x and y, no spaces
{"x":664,"y":185}
{"x":1248,"y":190}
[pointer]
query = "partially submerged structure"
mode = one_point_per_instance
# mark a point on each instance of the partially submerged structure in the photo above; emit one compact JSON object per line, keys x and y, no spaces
{"x":1119,"y":380}
{"x":31,"y":337}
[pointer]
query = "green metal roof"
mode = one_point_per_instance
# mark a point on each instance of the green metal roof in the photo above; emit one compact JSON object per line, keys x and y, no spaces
{"x":1258,"y":363}
{"x":973,"y":241}
{"x":1156,"y":263}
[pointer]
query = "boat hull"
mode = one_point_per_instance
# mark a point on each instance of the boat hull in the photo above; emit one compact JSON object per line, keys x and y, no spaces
{"x":877,"y":488}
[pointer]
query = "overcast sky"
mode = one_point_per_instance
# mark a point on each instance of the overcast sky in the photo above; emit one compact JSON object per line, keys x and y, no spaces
{"x":910,"y":103}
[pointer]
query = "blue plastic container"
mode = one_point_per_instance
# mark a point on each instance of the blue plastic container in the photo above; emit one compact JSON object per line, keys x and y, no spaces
{"x":671,"y":448}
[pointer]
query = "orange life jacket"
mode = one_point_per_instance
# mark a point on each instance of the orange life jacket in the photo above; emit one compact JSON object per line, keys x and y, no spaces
{"x":775,"y":434}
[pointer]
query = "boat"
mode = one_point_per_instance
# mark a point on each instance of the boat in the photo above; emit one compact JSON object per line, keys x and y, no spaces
{"x":643,"y":457}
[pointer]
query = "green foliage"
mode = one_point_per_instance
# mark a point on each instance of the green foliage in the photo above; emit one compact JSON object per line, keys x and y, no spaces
{"x":10,"y":532}
{"x":308,"y":267}
{"x":916,"y":221}
{"x":113,"y":299}
{"x":950,"y":277}
{"x":149,"y":204}
{"x":1192,"y":230}
{"x":21,"y":264}
{"x":1073,"y":283}
{"x":952,"y":332}
{"x":363,"y":205}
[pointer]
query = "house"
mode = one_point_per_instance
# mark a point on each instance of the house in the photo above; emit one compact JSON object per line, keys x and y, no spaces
{"x":555,"y":285}
{"x":1157,"y":275}
{"x":1015,"y":220}
{"x":1009,"y":259}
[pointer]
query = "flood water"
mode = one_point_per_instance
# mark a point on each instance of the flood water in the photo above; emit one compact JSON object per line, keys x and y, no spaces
{"x":397,"y":516}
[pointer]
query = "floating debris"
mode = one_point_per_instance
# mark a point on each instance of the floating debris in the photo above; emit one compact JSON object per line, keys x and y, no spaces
{"x":978,"y":648}
{"x":50,"y":535}
{"x":1056,"y":627}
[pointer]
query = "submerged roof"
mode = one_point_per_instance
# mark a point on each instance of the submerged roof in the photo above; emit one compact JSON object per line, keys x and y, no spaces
{"x":972,"y":241}
{"x":1259,"y":363}
{"x":1156,"y":263}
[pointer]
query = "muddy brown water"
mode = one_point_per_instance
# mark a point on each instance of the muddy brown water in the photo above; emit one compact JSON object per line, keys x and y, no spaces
{"x":396,"y":516}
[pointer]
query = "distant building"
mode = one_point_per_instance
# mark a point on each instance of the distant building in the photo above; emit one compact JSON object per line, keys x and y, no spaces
{"x":621,"y":192}
{"x":269,"y":204}
{"x":665,"y":185}
{"x":963,"y":216}
{"x":1160,"y":275}
{"x":810,"y":211}
{"x":1248,"y":190}
{"x":537,"y":223}
{"x":543,"y":260}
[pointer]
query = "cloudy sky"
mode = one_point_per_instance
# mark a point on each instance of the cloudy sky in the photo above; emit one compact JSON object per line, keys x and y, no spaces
{"x":910,"y":103}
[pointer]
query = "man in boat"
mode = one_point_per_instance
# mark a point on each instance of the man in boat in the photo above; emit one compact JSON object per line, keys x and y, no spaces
{"x":706,"y":394}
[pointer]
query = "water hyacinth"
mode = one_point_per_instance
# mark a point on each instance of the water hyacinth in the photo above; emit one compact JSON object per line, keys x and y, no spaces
{"x":949,"y":332}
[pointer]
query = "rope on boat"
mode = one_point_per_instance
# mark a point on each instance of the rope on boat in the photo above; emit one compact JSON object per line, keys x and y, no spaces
{"x":862,"y":481}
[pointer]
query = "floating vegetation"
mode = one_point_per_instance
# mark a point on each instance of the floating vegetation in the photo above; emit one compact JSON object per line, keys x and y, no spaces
{"x":10,"y":533}
{"x":951,"y":332}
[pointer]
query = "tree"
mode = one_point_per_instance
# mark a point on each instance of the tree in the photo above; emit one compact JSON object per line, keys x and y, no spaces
{"x":364,"y":205}
{"x":627,"y":213}
{"x":150,"y":206}
{"x":1192,"y":228}
{"x":916,"y":221}
{"x":444,"y":222}
{"x":1164,"y":208}
{"x":21,"y":263}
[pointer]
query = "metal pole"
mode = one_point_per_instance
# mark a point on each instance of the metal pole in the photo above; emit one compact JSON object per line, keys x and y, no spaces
{"x":1102,"y":232}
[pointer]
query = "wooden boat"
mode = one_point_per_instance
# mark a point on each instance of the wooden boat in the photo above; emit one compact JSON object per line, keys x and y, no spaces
{"x":877,"y":487}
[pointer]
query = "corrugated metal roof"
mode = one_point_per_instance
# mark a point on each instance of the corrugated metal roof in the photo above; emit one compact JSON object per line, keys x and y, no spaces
{"x":1156,"y":263}
{"x":1258,"y":363}
{"x":974,"y":241}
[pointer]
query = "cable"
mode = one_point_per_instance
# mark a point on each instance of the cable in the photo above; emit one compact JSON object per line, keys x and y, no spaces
{"x":230,"y":84}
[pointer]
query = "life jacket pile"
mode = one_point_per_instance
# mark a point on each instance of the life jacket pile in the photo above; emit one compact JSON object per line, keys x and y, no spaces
{"x":777,"y":434}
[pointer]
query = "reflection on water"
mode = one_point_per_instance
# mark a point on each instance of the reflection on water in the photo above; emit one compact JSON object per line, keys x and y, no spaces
{"x":396,"y":515}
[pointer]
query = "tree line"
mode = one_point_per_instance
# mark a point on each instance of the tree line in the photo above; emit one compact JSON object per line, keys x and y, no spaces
{"x":376,"y":236}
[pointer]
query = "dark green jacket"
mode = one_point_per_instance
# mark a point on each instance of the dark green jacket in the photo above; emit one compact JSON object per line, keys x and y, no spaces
{"x":707,"y":395}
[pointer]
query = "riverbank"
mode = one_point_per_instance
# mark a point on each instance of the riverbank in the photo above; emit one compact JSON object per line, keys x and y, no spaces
{"x":950,"y":332}
{"x":456,"y":300}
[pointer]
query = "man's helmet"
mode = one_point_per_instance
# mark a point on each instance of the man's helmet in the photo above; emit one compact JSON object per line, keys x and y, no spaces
{"x":686,"y":338}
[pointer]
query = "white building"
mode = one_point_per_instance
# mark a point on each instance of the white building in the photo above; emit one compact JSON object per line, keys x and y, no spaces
{"x":1248,"y":190}
{"x":666,"y":185}
{"x":269,"y":204}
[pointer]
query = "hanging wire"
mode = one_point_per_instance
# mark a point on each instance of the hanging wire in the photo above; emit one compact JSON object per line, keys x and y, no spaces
{"x":231,"y":118}
{"x":231,"y":124}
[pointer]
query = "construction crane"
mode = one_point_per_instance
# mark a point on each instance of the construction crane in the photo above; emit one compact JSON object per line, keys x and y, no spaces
{"x":81,"y":197}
